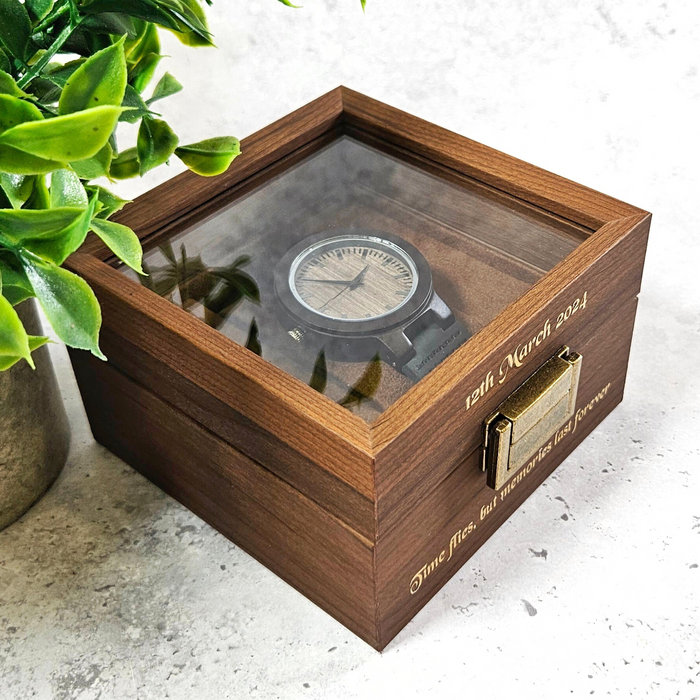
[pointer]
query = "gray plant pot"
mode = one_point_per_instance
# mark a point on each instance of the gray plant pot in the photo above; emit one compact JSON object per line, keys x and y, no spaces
{"x":34,"y":430}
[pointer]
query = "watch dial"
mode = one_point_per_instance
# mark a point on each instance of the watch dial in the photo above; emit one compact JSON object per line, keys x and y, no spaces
{"x":353,"y":278}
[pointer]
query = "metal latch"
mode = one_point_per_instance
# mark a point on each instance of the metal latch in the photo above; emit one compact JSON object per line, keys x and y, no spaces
{"x":530,"y":416}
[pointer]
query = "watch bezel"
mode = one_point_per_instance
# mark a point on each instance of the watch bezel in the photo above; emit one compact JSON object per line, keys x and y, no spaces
{"x":348,"y":328}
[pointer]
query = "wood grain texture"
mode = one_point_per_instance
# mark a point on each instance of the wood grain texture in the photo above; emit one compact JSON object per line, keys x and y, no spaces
{"x":345,"y":510}
{"x":313,"y":551}
{"x":427,"y":529}
{"x":608,"y":267}
{"x":314,"y":426}
{"x":532,"y":184}
{"x":222,"y":419}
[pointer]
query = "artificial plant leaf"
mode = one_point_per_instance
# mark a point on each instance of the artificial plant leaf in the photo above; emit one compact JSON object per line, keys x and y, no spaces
{"x":142,"y":73}
{"x":39,"y":8}
{"x":156,"y":142}
{"x":17,"y":188}
{"x":17,"y":162}
{"x":15,"y":285}
{"x":137,"y":108}
{"x":68,"y":302}
{"x":110,"y":23}
{"x":66,"y":138}
{"x":67,"y":190}
{"x":363,"y":3}
{"x":4,"y":61}
{"x":366,"y":386}
{"x":8,"y":86}
{"x":60,"y":73}
{"x":107,"y":202}
{"x":101,"y":80}
{"x":14,"y":342}
{"x":15,"y":28}
{"x":97,"y":166}
{"x":319,"y":374}
{"x":125,"y":165}
{"x":52,"y":238}
{"x":148,"y":10}
{"x":35,"y":342}
{"x":289,"y":4}
{"x":167,"y":86}
{"x":253,"y":340}
{"x":40,"y":198}
{"x":194,"y":30}
{"x":146,"y":41}
{"x":121,"y":240}
{"x":14,"y":111}
{"x":211,"y":156}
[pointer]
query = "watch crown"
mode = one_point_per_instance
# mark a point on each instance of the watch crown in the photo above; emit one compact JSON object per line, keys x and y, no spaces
{"x":297,"y":334}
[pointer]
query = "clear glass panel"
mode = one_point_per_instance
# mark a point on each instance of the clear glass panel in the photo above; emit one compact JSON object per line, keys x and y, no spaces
{"x":355,"y":271}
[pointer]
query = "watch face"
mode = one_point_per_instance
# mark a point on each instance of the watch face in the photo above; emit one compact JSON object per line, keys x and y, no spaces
{"x":353,"y":278}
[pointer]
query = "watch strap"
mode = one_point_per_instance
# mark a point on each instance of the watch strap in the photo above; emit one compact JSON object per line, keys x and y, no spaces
{"x":432,"y":345}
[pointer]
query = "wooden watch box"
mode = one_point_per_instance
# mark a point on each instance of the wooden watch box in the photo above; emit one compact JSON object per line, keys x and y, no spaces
{"x":358,"y":485}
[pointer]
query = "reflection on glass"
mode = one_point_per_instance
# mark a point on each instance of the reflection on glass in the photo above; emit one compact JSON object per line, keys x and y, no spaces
{"x":483,"y":252}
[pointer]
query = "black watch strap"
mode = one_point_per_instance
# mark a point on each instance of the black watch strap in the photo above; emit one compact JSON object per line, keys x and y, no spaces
{"x":433,"y":344}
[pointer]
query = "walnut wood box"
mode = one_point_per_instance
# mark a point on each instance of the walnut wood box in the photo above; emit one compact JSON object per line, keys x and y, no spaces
{"x":367,"y":515}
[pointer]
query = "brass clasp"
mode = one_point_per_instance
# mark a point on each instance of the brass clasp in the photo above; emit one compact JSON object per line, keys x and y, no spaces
{"x":529,"y":416}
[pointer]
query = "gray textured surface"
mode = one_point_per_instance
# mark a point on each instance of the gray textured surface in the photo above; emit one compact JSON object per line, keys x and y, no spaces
{"x":109,"y":589}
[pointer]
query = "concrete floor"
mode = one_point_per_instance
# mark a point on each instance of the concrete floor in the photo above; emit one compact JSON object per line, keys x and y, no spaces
{"x":109,"y":589}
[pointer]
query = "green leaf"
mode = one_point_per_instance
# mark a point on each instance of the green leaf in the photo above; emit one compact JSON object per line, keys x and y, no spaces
{"x":147,"y":10}
{"x":101,"y":80}
{"x":8,"y":86}
{"x":319,"y":374}
{"x":66,"y":138}
{"x":108,"y":202}
{"x":110,"y":23}
{"x":210,"y":157}
{"x":121,"y":240}
{"x":125,"y":165}
{"x":18,"y":188}
{"x":167,"y":86}
{"x":40,"y":197}
{"x":289,"y":4}
{"x":52,"y":234}
{"x":35,"y":342}
{"x":67,"y":190}
{"x":14,"y":342}
{"x":60,"y":73}
{"x":155,"y":144}
{"x":142,"y":73}
{"x":15,"y":27}
{"x":39,"y":8}
{"x":20,"y":163}
{"x":363,"y":3}
{"x":146,"y":41}
{"x":193,"y":29}
{"x":4,"y":62}
{"x":137,"y":108}
{"x":14,"y":111}
{"x":15,"y":285}
{"x":68,"y":302}
{"x":97,"y":166}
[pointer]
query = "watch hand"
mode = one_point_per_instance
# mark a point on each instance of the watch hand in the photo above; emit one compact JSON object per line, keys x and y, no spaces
{"x":307,"y":279}
{"x":358,"y":280}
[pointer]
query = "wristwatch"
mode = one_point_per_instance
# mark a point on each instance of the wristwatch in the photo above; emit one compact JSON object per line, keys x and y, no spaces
{"x":358,"y":293}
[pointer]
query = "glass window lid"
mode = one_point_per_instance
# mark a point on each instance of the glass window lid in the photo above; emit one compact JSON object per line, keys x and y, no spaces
{"x":355,"y":271}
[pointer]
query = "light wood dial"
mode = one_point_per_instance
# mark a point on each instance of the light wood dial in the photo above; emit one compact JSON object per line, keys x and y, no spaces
{"x":353,"y":279}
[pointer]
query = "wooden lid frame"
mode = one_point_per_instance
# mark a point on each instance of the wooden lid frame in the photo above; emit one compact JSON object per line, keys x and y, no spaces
{"x":364,"y":456}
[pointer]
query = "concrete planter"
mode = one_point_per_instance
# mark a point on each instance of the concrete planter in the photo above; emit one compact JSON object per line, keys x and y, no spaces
{"x":34,"y":430}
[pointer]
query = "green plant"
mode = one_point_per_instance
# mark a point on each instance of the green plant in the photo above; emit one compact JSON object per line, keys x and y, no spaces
{"x":58,"y":123}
